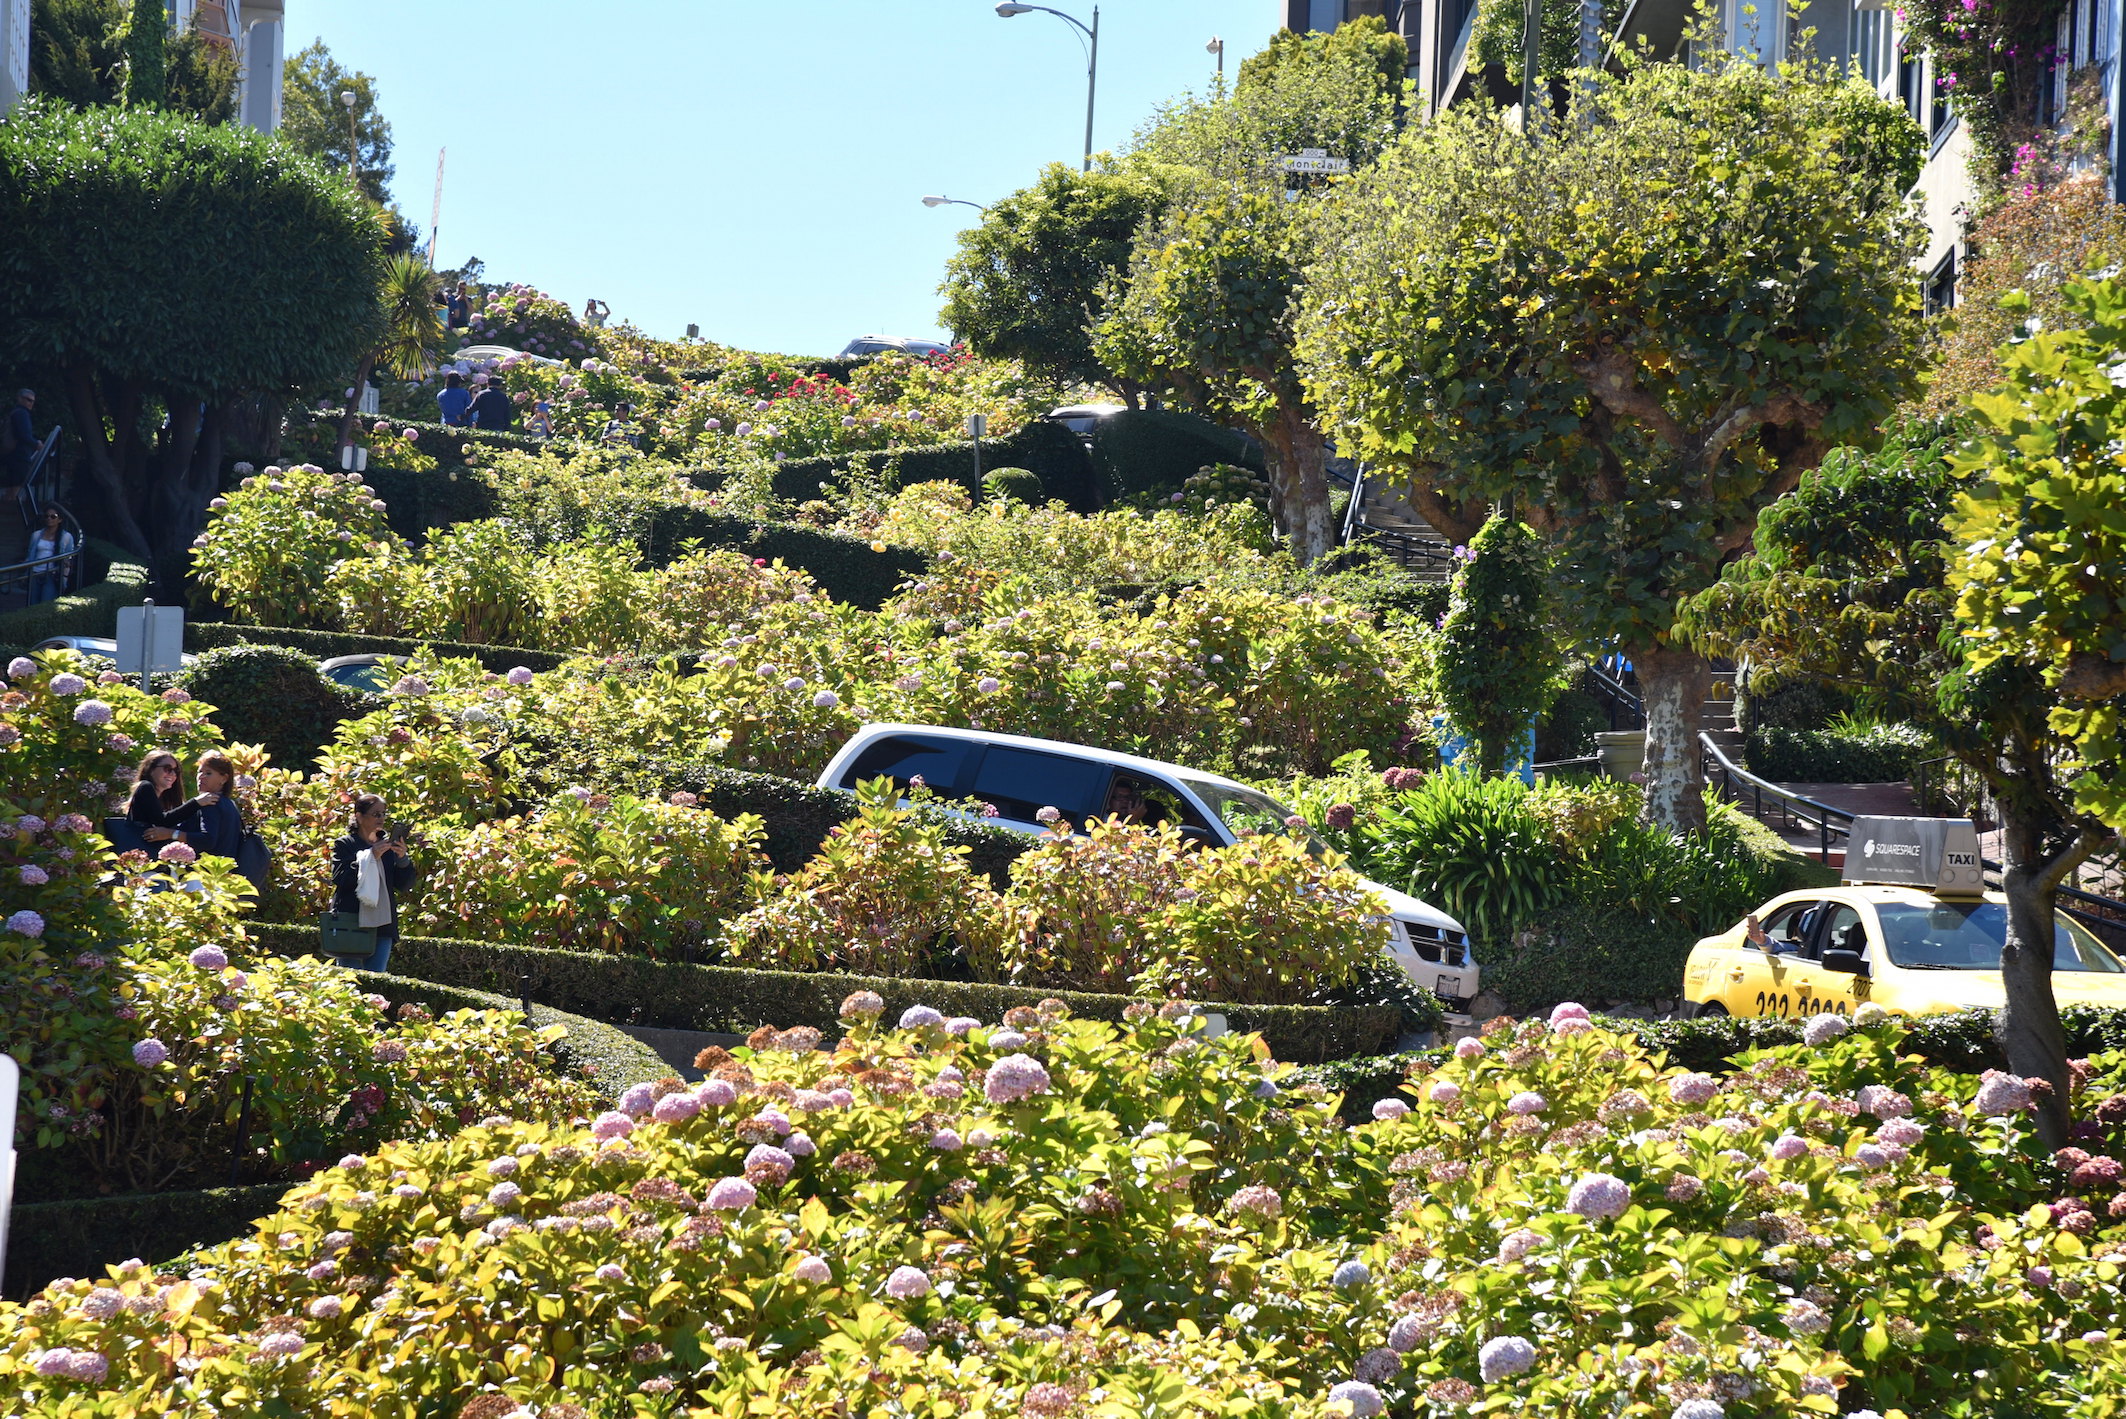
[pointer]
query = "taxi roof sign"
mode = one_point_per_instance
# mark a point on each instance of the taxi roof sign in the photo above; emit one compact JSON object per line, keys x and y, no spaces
{"x":1939,"y":855}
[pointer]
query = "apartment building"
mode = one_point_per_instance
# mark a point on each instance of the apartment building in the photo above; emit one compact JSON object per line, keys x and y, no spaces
{"x":1868,"y":34}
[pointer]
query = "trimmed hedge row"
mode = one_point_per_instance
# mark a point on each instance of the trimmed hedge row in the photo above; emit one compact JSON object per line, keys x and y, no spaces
{"x":1154,"y":450}
{"x":81,"y":1236}
{"x":47,"y":1240}
{"x":846,"y":568}
{"x":324,"y":645}
{"x":1884,"y":753}
{"x":1046,"y":449}
{"x":112,"y":577}
{"x":1961,"y":1041}
{"x":610,"y":1059}
{"x":670,"y":995}
{"x":798,"y":817}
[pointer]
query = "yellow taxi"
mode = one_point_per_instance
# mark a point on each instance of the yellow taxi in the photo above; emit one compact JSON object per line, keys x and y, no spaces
{"x":1832,"y":949}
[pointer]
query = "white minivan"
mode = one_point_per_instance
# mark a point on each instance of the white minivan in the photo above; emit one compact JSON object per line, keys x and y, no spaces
{"x":1020,"y":776}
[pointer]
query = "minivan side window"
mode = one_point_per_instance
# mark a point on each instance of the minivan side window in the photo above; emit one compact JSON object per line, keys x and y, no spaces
{"x":1021,"y":782}
{"x":904,"y":757}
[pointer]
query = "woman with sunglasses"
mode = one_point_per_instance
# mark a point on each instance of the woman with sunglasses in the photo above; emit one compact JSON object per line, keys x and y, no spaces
{"x":371,"y":835}
{"x":158,"y":806}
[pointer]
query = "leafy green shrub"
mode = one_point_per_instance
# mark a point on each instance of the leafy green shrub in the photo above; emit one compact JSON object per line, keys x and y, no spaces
{"x":325,"y":645}
{"x":271,"y":543}
{"x":885,"y":1262}
{"x":1052,"y":452}
{"x":1567,"y":729}
{"x":885,"y":896}
{"x":1470,"y":843}
{"x":1152,"y":453}
{"x":1802,"y":704}
{"x":272,"y":696}
{"x":1082,"y":912}
{"x":590,"y":873}
{"x":1496,"y":657}
{"x":1020,"y":485}
{"x":1881,"y":753}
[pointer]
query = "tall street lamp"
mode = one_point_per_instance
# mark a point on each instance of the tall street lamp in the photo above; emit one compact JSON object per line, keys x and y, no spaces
{"x":956,"y":202}
{"x":354,"y":149}
{"x":1092,"y":59}
{"x":1217,"y":47}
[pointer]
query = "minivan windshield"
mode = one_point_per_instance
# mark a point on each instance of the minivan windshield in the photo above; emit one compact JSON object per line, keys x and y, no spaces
{"x":1968,"y":936}
{"x":1243,"y":810}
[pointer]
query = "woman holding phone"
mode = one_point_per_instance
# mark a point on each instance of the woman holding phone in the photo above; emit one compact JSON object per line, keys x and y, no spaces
{"x":371,"y":851}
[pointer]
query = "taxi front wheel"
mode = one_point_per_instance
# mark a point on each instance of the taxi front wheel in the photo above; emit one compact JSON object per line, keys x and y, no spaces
{"x":1706,"y":1010}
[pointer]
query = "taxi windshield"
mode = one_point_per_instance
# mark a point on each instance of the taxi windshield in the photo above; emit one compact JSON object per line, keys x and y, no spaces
{"x":1968,"y":936}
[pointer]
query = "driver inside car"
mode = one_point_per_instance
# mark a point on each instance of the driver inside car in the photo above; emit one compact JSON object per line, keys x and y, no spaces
{"x":1125,"y":800}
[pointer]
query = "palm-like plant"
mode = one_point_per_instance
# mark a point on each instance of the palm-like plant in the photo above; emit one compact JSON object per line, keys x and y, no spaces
{"x":413,"y":330}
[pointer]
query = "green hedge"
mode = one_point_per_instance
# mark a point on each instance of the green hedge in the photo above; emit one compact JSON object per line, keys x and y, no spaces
{"x":637,"y":991}
{"x":610,"y":1059}
{"x":1153,"y":450}
{"x":272,"y":695}
{"x":1884,"y":753}
{"x":799,"y":816}
{"x":112,"y":577}
{"x":846,"y":567}
{"x":325,"y":645}
{"x":1961,"y":1041}
{"x":1044,"y":448}
{"x":47,"y":1240}
{"x":416,"y":504}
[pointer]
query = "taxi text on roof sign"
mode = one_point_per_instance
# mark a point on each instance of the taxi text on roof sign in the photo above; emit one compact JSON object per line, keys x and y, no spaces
{"x":1938,"y":855}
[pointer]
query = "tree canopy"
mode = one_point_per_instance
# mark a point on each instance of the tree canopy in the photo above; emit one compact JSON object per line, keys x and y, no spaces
{"x":1206,"y":315}
{"x":119,"y":278}
{"x":1026,"y":284}
{"x":2040,"y":574}
{"x":1642,"y":329}
{"x":315,"y":121}
{"x":83,"y":52}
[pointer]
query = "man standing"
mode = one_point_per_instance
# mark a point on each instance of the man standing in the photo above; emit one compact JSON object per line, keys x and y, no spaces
{"x":18,"y":444}
{"x":491,"y":408}
{"x":452,"y":399}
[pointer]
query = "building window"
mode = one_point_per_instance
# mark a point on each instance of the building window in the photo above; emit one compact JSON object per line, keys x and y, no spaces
{"x":1940,"y":292}
{"x":1324,"y":14}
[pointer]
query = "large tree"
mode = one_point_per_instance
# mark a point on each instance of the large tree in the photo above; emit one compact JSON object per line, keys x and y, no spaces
{"x":1206,"y":314}
{"x":120,"y":282}
{"x":2041,"y":529}
{"x":315,"y":120}
{"x":1026,"y":283}
{"x":1847,"y":585}
{"x":1640,"y":329}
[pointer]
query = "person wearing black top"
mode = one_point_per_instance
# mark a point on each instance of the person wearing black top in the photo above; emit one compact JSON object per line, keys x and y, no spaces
{"x":368,"y":834}
{"x":212,"y":824}
{"x":491,"y":408}
{"x":158,"y":806}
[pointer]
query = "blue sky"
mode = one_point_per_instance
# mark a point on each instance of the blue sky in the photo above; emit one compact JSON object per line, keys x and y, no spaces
{"x":755,"y":166}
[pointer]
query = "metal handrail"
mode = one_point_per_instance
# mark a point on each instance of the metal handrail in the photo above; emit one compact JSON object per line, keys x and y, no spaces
{"x":20,"y":573}
{"x":1832,"y":820}
{"x":46,"y":459}
{"x":1619,"y":697}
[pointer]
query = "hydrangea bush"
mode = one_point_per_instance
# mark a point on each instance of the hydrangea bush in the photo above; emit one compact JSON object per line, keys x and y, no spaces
{"x":271,"y":543}
{"x":1056,"y":1217}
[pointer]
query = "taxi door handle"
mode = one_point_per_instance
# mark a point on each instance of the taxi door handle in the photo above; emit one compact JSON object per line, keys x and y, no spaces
{"x":1735,"y":974}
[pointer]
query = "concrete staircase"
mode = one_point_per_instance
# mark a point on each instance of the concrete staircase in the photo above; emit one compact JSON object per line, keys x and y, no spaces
{"x":1398,"y":528}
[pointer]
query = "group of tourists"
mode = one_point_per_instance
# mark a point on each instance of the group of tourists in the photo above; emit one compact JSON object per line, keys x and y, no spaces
{"x":371,"y":865}
{"x":485,"y":406}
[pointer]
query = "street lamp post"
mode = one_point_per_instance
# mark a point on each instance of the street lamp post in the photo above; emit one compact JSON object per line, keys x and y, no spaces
{"x":1092,"y":59}
{"x":956,"y":202}
{"x":1217,"y":47}
{"x":354,"y":149}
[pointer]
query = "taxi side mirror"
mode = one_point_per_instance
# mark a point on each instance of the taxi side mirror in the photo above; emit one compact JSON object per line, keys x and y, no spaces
{"x":1849,"y":963}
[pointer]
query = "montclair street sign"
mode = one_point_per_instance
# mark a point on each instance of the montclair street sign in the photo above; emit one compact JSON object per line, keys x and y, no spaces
{"x":1313,"y":160}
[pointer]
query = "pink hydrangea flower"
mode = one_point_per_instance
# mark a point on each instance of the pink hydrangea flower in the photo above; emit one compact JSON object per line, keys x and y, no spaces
{"x":676,"y":1108}
{"x":1386,"y":1110}
{"x":31,"y":875}
{"x":800,"y":1145}
{"x":2002,"y":1094}
{"x":716,"y":1093}
{"x":1013,"y":1078}
{"x":1527,"y":1102}
{"x":1901,"y":1133}
{"x":1789,"y":1146}
{"x":1505,"y":1356}
{"x":1469,"y":1047}
{"x":917,"y":1017}
{"x":612,"y":1125}
{"x":178,"y":853}
{"x":907,"y":1283}
{"x":280,"y":1345}
{"x":520,"y":675}
{"x":610,"y":1272}
{"x":150,"y":1052}
{"x":209,"y":958}
{"x":1599,"y":1197}
{"x":1691,"y":1090}
{"x":26,"y":923}
{"x":1822,"y":1029}
{"x":636,"y":1100}
{"x":1364,"y":1400}
{"x":863,"y":1005}
{"x":1517,"y":1244}
{"x":772,"y":1163}
{"x":94,"y":713}
{"x":1257,"y":1200}
{"x":732,"y":1195}
{"x":813,"y":1269}
{"x":68,"y":684}
{"x":1883,"y":1101}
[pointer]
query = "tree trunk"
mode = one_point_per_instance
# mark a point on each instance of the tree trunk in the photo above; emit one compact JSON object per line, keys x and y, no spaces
{"x":2029,"y":1029}
{"x":1673,"y":683}
{"x":108,"y":511}
{"x":1298,"y":459}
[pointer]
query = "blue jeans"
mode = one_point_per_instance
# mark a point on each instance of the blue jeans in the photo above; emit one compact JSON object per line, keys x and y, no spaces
{"x":380,"y":961}
{"x":44,"y":586}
